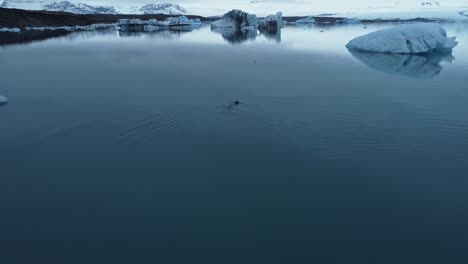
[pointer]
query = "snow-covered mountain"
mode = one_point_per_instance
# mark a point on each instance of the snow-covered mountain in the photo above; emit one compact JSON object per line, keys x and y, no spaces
{"x":168,"y":9}
{"x":79,"y":8}
{"x":83,"y":8}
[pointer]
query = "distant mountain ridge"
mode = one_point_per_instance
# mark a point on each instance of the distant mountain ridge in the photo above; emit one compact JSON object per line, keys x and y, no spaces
{"x":66,"y":6}
{"x":81,"y":8}
{"x":168,"y":9}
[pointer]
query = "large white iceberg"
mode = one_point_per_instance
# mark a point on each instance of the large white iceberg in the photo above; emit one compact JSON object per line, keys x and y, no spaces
{"x":405,"y":39}
{"x":236,"y":19}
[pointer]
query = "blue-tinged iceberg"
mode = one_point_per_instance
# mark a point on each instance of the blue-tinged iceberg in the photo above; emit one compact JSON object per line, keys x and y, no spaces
{"x":236,"y":19}
{"x":405,"y":39}
{"x":271,"y":23}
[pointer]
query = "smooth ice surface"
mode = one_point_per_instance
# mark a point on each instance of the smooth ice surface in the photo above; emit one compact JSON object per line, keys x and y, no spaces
{"x":405,"y":39}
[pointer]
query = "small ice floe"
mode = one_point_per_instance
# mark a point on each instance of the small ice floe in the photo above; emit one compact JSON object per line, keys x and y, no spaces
{"x":3,"y":100}
{"x":306,"y":20}
{"x":181,"y":23}
{"x":73,"y":28}
{"x":11,"y":30}
{"x":406,"y":39}
{"x":236,"y":19}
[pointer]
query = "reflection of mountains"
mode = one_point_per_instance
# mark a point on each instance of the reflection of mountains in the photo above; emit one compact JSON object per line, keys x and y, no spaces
{"x":423,"y":66}
{"x":29,"y":36}
{"x":238,"y":36}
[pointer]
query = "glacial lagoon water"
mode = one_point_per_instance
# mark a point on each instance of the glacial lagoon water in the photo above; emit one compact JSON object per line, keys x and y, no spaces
{"x":126,"y":148}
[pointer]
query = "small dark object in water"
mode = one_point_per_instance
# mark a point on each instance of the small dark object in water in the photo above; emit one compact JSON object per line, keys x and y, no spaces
{"x":364,"y":27}
{"x":255,"y":62}
{"x":321,"y":30}
{"x":233,"y":104}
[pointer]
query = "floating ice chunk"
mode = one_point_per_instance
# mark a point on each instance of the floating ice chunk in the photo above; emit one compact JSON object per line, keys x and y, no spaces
{"x":271,"y":23}
{"x":405,"y":39}
{"x":3,"y":100}
{"x":236,"y":19}
{"x":306,"y":20}
{"x":12,"y":30}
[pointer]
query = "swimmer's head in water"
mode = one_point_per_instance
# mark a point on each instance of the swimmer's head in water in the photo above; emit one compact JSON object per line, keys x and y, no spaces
{"x":236,"y":102}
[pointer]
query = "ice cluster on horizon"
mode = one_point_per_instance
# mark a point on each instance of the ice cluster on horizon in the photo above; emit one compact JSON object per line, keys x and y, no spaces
{"x":240,"y":20}
{"x":237,"y":26}
{"x":172,"y":23}
{"x":73,"y":28}
{"x":406,"y":39}
{"x":12,"y":30}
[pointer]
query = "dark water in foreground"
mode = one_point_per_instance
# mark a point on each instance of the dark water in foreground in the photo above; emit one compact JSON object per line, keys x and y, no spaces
{"x":121,"y":149}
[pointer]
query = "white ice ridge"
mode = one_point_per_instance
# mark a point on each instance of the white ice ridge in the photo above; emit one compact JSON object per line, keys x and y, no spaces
{"x":14,"y":30}
{"x":406,"y":39}
{"x":174,"y":23}
{"x":73,"y":28}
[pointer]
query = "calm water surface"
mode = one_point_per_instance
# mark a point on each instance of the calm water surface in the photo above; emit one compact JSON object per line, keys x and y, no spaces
{"x":124,"y":148}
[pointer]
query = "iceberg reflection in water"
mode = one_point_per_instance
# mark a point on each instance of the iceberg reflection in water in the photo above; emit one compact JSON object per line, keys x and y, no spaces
{"x":424,"y":66}
{"x":238,"y":36}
